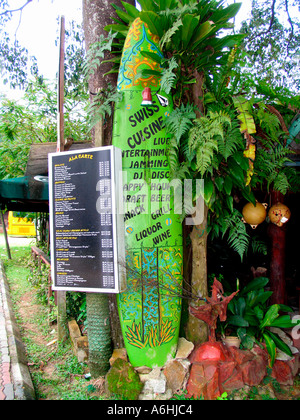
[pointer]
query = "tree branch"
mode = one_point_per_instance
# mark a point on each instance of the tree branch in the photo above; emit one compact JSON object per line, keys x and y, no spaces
{"x":271,"y":23}
{"x":291,"y":24}
{"x":16,"y":10}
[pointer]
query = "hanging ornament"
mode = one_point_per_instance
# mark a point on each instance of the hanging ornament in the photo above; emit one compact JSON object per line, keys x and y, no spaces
{"x":279,"y":214}
{"x":147,"y":97}
{"x":254,"y":214}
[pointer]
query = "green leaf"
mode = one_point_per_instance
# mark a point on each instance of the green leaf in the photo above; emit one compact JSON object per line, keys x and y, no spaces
{"x":270,"y":316}
{"x":283,"y":321}
{"x":189,"y":24}
{"x":238,"y":321}
{"x":118,"y":28}
{"x":247,"y":121}
{"x":271,"y":347}
{"x":257,"y":283}
{"x":261,"y":298}
{"x":247,"y":340}
{"x":236,"y":172}
{"x":153,"y":21}
{"x":148,"y":5}
{"x":153,"y":56}
{"x":228,"y":185}
{"x":131,"y":10}
{"x":240,"y":306}
{"x":223,"y":15}
{"x":202,"y":31}
{"x":208,"y":190}
{"x":280,"y":344}
{"x":219,"y":181}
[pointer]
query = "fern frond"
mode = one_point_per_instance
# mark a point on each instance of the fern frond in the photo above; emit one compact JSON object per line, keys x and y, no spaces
{"x":95,"y":54}
{"x":180,"y":121}
{"x":258,"y":246}
{"x":167,"y":37}
{"x":168,"y":78}
{"x":237,"y":235}
{"x":203,"y":138}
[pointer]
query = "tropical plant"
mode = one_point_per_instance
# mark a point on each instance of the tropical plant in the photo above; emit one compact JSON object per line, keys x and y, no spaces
{"x":251,"y":318}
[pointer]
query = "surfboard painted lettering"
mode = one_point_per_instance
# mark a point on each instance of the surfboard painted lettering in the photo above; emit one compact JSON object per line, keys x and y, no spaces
{"x":150,"y":308}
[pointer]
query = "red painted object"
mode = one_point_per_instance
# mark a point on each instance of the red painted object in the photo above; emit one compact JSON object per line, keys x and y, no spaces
{"x":216,"y":307}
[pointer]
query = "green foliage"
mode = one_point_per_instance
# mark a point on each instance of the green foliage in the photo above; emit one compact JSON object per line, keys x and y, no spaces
{"x":209,"y":140}
{"x":252,"y":318}
{"x":102,"y":105}
{"x":96,"y":53}
{"x":238,"y":238}
{"x":34,"y":120}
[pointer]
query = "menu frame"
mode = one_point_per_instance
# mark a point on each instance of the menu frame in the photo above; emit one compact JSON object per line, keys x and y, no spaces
{"x":88,"y":175}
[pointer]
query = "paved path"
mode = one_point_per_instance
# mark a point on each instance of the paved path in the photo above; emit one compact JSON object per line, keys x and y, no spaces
{"x":15,"y":380}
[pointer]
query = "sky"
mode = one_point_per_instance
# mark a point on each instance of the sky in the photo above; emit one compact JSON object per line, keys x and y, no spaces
{"x":38,"y":29}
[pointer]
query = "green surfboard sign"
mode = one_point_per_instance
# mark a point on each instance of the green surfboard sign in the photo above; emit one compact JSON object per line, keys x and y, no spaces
{"x":150,"y":308}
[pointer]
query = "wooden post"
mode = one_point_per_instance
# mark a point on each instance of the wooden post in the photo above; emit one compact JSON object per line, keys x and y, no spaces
{"x":277,"y":263}
{"x":61,"y":295}
{"x":5,"y":236}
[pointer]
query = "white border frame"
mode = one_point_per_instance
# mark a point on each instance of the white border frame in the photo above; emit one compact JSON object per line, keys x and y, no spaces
{"x":117,"y":221}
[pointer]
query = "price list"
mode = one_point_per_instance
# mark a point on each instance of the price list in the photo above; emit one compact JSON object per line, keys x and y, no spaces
{"x":84,"y":220}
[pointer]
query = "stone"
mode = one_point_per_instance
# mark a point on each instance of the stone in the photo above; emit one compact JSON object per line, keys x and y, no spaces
{"x":82,"y":349}
{"x":204,"y":380}
{"x":230,"y":376}
{"x":156,"y":397}
{"x":175,"y":373}
{"x":74,"y":330}
{"x":143,"y":370}
{"x":282,"y":372}
{"x":254,"y":371}
{"x":123,"y":381}
{"x":156,"y":386}
{"x":153,"y":374}
{"x":118,"y":354}
{"x":184,"y":348}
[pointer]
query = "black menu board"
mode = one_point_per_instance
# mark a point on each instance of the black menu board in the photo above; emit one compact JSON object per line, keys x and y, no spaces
{"x":86,"y":231}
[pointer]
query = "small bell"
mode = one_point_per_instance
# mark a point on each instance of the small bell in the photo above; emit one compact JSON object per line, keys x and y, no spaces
{"x":147,"y":97}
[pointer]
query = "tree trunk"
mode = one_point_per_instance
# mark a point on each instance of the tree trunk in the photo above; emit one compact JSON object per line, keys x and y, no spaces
{"x":196,"y":330}
{"x":96,"y":15}
{"x":98,"y":333}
